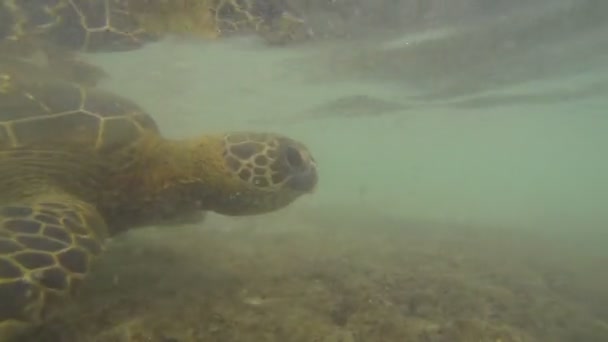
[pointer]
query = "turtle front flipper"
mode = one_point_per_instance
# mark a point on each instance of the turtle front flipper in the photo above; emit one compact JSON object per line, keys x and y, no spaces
{"x":46,"y":249}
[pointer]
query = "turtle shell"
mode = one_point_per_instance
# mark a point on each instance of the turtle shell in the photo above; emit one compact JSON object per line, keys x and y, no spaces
{"x":98,"y":25}
{"x":51,"y":112}
{"x":87,"y":25}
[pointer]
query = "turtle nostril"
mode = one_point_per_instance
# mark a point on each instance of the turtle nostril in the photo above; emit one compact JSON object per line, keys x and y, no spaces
{"x":294,"y":158}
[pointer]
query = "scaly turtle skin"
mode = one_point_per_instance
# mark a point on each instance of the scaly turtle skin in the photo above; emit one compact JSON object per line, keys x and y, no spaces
{"x":78,"y":165}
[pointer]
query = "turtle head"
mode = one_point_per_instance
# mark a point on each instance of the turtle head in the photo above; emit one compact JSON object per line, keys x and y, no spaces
{"x":259,"y":173}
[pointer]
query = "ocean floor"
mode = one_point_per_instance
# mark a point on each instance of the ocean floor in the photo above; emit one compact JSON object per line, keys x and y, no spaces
{"x":339,"y":274}
{"x":431,"y":224}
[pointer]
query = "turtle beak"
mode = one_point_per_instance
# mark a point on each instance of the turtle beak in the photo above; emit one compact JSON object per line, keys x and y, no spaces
{"x":304,"y":182}
{"x":304,"y":175}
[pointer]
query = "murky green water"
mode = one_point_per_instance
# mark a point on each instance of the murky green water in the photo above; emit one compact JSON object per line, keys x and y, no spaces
{"x":509,"y":161}
{"x":462,"y":194}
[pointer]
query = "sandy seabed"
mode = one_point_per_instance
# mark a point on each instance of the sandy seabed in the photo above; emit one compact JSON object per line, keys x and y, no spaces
{"x":338,"y":274}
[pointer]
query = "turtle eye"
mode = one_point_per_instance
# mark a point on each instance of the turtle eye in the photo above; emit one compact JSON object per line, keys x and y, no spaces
{"x":293,"y":157}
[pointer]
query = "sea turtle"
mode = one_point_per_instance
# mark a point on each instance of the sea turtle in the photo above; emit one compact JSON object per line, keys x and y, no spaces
{"x":58,"y":29}
{"x":79,"y":165}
